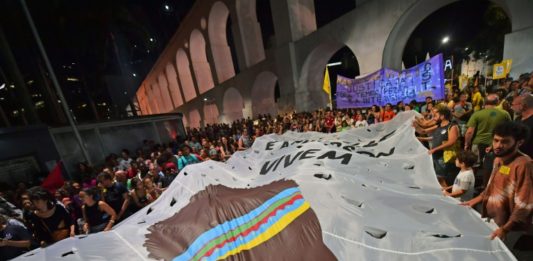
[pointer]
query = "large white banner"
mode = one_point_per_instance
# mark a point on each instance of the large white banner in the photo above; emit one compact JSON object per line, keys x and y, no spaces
{"x":363,"y":194}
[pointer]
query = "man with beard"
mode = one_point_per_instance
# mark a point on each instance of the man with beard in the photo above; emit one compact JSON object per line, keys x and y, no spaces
{"x":478,"y":136}
{"x":508,"y":197}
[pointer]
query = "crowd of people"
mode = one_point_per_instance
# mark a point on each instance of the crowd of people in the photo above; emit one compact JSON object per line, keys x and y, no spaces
{"x":472,"y":135}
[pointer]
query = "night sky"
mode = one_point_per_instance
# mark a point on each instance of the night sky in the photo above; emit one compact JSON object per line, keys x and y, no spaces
{"x":88,"y":40}
{"x":469,"y":24}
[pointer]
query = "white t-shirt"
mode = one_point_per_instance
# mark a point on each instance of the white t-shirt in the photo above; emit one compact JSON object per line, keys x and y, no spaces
{"x":362,"y":123}
{"x":465,"y":180}
{"x":124,"y":164}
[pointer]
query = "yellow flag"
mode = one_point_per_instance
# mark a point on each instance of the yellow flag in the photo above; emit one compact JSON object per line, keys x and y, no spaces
{"x":463,"y":81}
{"x":327,"y":85}
{"x":507,"y":64}
{"x":498,"y":71}
{"x":501,"y":70}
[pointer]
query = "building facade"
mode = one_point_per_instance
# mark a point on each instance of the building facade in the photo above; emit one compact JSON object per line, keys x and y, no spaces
{"x":200,"y":75}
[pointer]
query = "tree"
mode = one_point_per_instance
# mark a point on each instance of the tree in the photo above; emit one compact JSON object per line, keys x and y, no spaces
{"x":490,"y":40}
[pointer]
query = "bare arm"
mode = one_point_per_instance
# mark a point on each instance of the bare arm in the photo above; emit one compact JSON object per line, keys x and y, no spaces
{"x":107,"y":209}
{"x":124,"y":205}
{"x":222,"y":152}
{"x":86,"y":224}
{"x":136,"y":199}
{"x":240,"y":144}
{"x":425,"y":138}
{"x":15,"y":243}
{"x":72,"y":230}
{"x":468,"y":137}
{"x":452,"y":139}
{"x":423,"y":123}
{"x":456,"y":193}
{"x":447,"y":188}
{"x":474,"y":201}
{"x":426,"y":130}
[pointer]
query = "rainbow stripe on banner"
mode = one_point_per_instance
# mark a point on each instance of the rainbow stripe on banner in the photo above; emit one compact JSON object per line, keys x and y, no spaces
{"x":250,"y":230}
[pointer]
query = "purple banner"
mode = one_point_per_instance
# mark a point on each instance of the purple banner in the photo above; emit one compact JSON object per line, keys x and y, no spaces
{"x":388,"y":86}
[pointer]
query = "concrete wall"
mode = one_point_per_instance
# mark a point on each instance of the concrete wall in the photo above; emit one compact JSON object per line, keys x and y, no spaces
{"x":46,"y":146}
{"x":376,"y":31}
{"x":33,"y":141}
{"x":102,"y":139}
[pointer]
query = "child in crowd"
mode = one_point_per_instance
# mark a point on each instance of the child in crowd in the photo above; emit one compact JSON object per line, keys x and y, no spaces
{"x":463,"y":187}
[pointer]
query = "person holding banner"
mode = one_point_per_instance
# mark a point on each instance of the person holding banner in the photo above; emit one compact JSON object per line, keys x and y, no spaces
{"x":445,"y":143}
{"x":508,"y":197}
{"x":50,"y":221}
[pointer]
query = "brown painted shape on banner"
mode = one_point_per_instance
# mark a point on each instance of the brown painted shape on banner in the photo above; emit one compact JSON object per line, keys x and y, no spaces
{"x":300,"y":240}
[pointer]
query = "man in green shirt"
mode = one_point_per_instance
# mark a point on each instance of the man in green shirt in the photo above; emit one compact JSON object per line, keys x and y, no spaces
{"x":478,"y":136}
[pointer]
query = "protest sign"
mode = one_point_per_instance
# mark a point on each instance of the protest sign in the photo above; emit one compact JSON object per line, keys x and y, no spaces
{"x":388,"y":86}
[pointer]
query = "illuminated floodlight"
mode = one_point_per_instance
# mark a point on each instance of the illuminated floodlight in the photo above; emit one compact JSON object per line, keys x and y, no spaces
{"x":334,"y":64}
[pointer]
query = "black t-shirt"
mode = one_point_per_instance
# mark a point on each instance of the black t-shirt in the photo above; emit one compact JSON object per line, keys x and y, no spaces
{"x":167,"y":179}
{"x":95,"y":216}
{"x":527,"y":147}
{"x":113,"y":196}
{"x":14,"y":233}
{"x":440,"y":135}
{"x":43,"y":227}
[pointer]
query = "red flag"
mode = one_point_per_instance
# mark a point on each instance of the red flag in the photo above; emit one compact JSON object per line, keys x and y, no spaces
{"x":54,"y":180}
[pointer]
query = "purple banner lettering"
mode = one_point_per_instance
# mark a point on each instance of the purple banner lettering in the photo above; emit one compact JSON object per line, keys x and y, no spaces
{"x":388,"y":86}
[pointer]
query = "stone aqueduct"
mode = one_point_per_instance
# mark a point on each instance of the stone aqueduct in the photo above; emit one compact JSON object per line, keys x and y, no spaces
{"x":196,"y":74}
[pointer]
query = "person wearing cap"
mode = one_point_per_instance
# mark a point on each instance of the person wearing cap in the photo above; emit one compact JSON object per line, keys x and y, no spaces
{"x":170,"y":171}
{"x":186,"y":157}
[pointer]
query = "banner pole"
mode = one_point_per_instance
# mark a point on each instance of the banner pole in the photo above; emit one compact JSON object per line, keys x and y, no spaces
{"x":452,"y":72}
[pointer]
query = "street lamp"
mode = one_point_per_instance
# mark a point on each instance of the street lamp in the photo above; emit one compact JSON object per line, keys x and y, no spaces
{"x":445,"y":39}
{"x":2,"y":86}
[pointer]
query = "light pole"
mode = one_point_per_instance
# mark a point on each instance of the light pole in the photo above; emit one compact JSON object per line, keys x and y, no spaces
{"x":56,"y":83}
{"x":444,"y":41}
